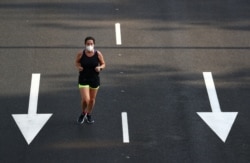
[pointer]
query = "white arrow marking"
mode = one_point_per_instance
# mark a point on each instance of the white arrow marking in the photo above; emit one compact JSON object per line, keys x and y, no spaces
{"x":220,"y":122}
{"x":30,"y":124}
{"x":118,"y":33}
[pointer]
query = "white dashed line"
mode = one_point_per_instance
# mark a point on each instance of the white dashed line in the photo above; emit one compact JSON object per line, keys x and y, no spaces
{"x":125,"y":127}
{"x":118,"y":34}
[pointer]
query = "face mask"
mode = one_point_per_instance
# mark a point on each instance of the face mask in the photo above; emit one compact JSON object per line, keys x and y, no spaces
{"x":90,"y":48}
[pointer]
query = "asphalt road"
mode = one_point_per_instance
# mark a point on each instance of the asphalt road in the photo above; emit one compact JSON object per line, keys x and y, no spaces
{"x":155,"y":76}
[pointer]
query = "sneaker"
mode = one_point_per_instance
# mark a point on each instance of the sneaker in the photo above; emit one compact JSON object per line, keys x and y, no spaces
{"x":89,"y":119}
{"x":81,"y":118}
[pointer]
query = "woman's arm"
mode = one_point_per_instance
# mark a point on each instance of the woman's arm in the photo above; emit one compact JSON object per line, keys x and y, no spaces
{"x":101,"y":61}
{"x":77,"y":61}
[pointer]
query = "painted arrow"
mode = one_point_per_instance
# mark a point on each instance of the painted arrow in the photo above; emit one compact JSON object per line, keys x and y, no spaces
{"x":220,"y":122}
{"x":30,"y":124}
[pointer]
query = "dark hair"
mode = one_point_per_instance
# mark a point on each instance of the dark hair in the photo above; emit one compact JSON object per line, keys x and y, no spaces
{"x":89,"y":38}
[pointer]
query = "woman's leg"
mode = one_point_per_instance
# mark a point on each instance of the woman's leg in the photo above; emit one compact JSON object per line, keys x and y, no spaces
{"x":92,"y":97}
{"x":85,"y":98}
{"x":88,"y":96}
{"x":90,"y":106}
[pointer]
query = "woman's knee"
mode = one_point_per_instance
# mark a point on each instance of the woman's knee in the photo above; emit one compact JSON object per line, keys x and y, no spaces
{"x":91,"y":100}
{"x":86,"y":101}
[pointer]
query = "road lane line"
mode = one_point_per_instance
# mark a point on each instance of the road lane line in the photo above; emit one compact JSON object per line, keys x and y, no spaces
{"x":125,"y":127}
{"x":118,"y":34}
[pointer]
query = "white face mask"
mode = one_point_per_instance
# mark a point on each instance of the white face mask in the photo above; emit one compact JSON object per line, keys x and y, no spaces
{"x":90,"y":48}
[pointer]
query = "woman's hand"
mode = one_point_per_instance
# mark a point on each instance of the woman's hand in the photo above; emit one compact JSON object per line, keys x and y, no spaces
{"x":98,"y":69}
{"x":80,"y":68}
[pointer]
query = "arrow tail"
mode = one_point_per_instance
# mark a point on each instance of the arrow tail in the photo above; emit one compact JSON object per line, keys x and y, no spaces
{"x":34,"y":90}
{"x":215,"y":106}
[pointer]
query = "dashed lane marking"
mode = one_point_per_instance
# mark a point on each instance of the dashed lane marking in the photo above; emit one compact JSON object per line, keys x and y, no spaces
{"x":118,"y":34}
{"x":125,"y":127}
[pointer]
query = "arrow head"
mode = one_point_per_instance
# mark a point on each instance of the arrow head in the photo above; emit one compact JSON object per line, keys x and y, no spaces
{"x":30,"y":124}
{"x":220,"y":122}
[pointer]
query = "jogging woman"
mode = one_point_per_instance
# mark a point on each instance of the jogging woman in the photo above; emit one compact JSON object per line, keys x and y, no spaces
{"x":89,"y":62}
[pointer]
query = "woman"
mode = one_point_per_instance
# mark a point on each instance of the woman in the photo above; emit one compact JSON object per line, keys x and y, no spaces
{"x":89,"y":62}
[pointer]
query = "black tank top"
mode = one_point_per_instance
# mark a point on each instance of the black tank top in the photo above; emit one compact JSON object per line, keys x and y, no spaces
{"x":89,"y":64}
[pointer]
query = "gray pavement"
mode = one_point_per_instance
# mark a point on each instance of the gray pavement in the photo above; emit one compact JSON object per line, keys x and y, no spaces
{"x":156,"y":76}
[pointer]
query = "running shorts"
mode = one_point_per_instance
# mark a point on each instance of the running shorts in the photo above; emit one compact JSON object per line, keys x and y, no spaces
{"x":93,"y":83}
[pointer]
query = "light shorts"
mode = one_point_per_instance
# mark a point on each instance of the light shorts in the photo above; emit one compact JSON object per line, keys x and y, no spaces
{"x":87,"y":86}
